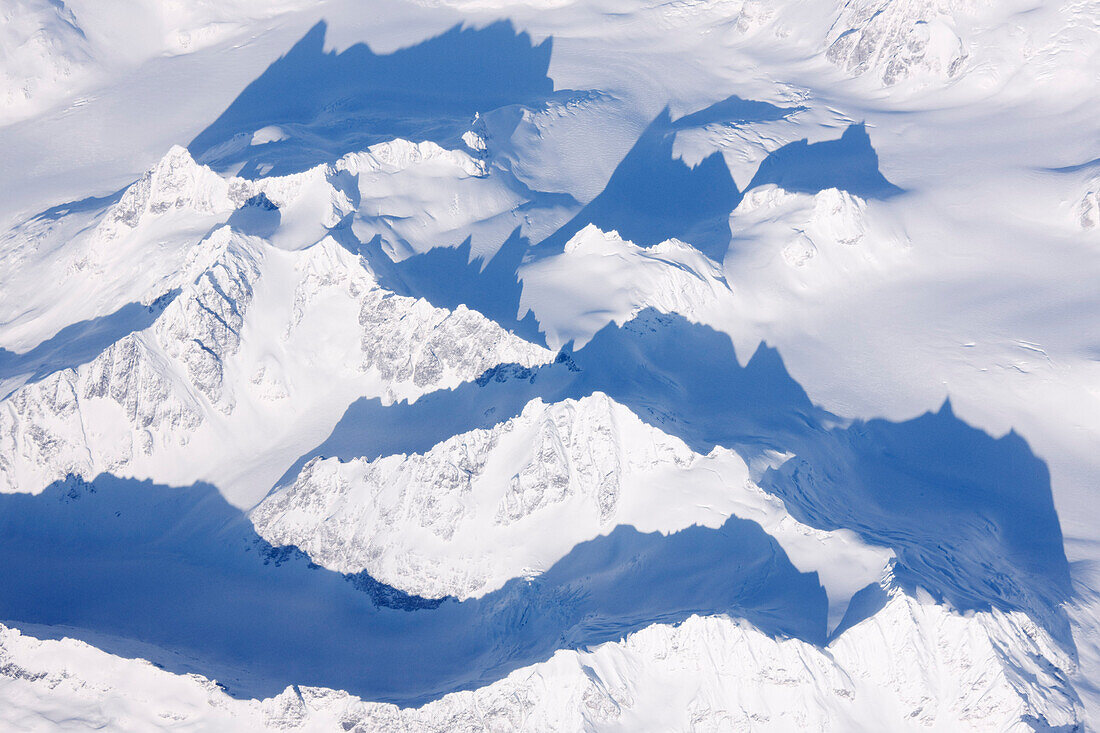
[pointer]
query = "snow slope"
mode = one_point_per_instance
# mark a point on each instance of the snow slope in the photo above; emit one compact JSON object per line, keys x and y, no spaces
{"x":489,"y":505}
{"x":413,"y":371}
{"x":248,"y":322}
{"x":44,"y":54}
{"x":709,"y":673}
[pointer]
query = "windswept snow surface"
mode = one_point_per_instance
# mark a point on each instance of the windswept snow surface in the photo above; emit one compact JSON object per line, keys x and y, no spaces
{"x":549,"y":365}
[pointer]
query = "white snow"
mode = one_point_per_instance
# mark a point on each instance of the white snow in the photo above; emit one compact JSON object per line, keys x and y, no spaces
{"x":976,"y":282}
{"x":913,"y":666}
{"x":252,"y":322}
{"x":490,"y":505}
{"x":600,"y":279}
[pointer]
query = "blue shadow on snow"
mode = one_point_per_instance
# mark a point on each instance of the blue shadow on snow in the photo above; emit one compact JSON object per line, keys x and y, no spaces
{"x":124,"y":564}
{"x":653,"y":196}
{"x":329,"y":104}
{"x":81,"y":342}
{"x":850,"y":164}
{"x":450,"y":277}
{"x":971,"y":518}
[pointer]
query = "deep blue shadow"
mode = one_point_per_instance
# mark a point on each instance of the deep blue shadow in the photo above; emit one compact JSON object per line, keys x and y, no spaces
{"x":653,"y":196}
{"x":80,"y":342}
{"x":258,"y":217}
{"x":449,"y":277}
{"x":650,"y":197}
{"x":91,"y":203}
{"x":850,"y":164}
{"x":682,"y":378}
{"x":370,"y":429}
{"x":329,"y":104}
{"x":735,"y":111}
{"x":971,"y":518}
{"x":1078,"y":168}
{"x":118,"y":561}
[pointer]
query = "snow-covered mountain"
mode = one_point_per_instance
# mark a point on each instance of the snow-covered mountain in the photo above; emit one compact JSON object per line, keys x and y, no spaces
{"x":568,"y":365}
{"x":911,"y":667}
{"x":490,"y":505}
{"x":236,"y":323}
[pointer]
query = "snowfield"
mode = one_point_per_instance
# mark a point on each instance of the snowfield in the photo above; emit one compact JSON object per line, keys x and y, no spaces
{"x":550,"y":365}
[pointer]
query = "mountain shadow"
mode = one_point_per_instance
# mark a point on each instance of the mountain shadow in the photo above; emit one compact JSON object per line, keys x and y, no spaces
{"x":83,"y":206}
{"x":78,"y":343}
{"x":179,"y":576}
{"x":120,"y":562}
{"x":682,"y":378}
{"x":449,"y":277}
{"x":970,"y":518}
{"x":322,"y":105}
{"x":849,"y":163}
{"x":653,"y":196}
{"x":734,"y":110}
{"x":1087,"y":166}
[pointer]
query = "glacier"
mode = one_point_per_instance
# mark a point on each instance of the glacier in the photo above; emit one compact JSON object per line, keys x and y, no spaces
{"x":549,"y":365}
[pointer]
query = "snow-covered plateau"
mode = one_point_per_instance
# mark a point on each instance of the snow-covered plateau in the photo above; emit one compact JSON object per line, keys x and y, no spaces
{"x":550,"y":365}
